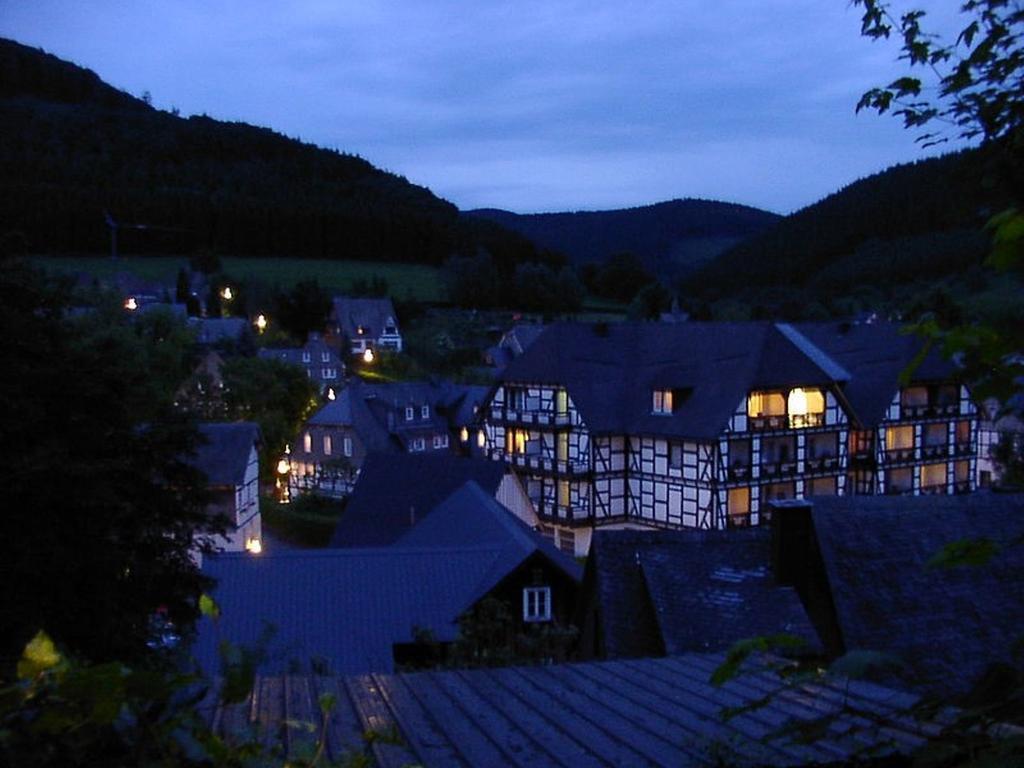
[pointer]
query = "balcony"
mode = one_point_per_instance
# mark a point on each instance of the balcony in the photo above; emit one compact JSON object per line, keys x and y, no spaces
{"x":934,"y":451}
{"x":898,"y":455}
{"x":539,"y":418}
{"x":821,"y":464}
{"x":803,"y":420}
{"x":739,"y":472}
{"x":767,"y":422}
{"x":929,"y":411}
{"x":778,"y":469}
{"x":963,"y":449}
{"x":933,"y":490}
{"x":541,"y":463}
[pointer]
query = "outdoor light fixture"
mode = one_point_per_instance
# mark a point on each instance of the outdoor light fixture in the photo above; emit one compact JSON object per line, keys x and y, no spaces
{"x":368,"y":356}
{"x":253,"y":546}
{"x":481,"y":438}
{"x":330,"y":393}
{"x":464,"y":435}
{"x":261,"y":322}
{"x":131,"y":304}
{"x":359,"y":330}
{"x":226,"y":293}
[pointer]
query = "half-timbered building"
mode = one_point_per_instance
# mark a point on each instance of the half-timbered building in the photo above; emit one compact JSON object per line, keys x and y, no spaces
{"x":698,"y":425}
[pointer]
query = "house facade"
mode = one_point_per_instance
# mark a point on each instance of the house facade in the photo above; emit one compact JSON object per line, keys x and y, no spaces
{"x":699,"y":425}
{"x":366,"y":323}
{"x":228,"y":456}
{"x":318,"y":358}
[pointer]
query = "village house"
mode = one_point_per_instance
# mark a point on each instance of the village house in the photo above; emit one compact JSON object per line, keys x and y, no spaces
{"x":317,"y":358}
{"x":366,"y":323}
{"x":995,"y":427}
{"x":362,"y":610}
{"x":404,"y":417}
{"x":698,"y":425}
{"x":228,"y":454}
{"x":220,"y":331}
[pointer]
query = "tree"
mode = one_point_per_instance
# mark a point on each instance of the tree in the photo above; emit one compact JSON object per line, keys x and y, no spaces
{"x":303,"y":309}
{"x":100,"y":504}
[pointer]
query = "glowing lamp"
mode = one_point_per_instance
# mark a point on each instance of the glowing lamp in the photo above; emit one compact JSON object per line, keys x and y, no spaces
{"x":283,"y":466}
{"x":131,"y":304}
{"x":368,"y":355}
{"x":481,"y":438}
{"x":360,"y":330}
{"x":261,"y":322}
{"x":330,"y":393}
{"x":464,"y":435}
{"x":797,"y":402}
{"x":253,"y":546}
{"x":226,"y":293}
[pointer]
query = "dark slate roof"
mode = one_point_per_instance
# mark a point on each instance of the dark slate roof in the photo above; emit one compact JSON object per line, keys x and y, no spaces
{"x":875,"y":353}
{"x":947,"y":624}
{"x":223,"y":454}
{"x":347,"y":607}
{"x":210,"y":330}
{"x":315,"y":347}
{"x":707,"y":590}
{"x":473,"y":517}
{"x":610,"y":371}
{"x":348,"y":313}
{"x":390,"y":485}
{"x":660,"y":712}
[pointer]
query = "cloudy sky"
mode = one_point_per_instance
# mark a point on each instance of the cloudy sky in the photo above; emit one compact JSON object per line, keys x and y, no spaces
{"x":525,"y":105}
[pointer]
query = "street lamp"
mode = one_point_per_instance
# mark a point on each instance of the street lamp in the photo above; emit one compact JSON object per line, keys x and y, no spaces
{"x":281,"y":483}
{"x":368,"y":356}
{"x":226,"y":293}
{"x":261,"y":322}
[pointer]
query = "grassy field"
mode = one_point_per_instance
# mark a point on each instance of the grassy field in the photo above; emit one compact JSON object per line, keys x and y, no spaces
{"x":405,"y":281}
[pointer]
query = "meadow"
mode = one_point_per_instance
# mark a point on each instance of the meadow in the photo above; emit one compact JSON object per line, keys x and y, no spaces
{"x":405,"y":281}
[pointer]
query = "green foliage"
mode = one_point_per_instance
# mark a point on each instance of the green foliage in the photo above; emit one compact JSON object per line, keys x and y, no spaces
{"x":101,"y":507}
{"x":308,"y":521}
{"x":490,"y":636}
{"x":277,"y":396}
{"x":303,"y":309}
{"x":743,"y":649}
{"x":970,"y":552}
{"x":619,"y":277}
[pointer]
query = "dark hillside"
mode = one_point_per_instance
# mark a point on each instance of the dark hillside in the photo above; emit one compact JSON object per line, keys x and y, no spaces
{"x":670,"y":238}
{"x":73,"y":148}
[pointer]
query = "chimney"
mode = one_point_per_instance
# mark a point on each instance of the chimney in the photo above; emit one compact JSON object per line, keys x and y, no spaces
{"x":791,"y":541}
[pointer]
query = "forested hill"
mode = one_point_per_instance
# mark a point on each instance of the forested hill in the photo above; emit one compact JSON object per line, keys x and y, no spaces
{"x":73,"y":149}
{"x":670,"y":238}
{"x":906,"y":229}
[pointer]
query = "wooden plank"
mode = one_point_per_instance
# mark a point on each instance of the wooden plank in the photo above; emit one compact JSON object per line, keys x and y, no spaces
{"x":557,"y":748}
{"x":344,"y":728}
{"x":426,"y":738}
{"x":459,"y":728}
{"x":303,"y":720}
{"x":386,"y":741}
{"x":267,"y":712}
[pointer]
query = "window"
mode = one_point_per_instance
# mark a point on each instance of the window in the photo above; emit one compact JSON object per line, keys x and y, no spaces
{"x":440,"y":441}
{"x":564,"y":497}
{"x":662,"y":401}
{"x":515,"y":441}
{"x":328,"y":373}
{"x":963,"y":432}
{"x":933,"y":476}
{"x":675,"y":455}
{"x":561,"y":402}
{"x":346,"y":446}
{"x":409,"y":413}
{"x":935,"y":434}
{"x":307,"y":443}
{"x":328,"y":445}
{"x":766,"y":404}
{"x":822,"y":486}
{"x":738,"y":506}
{"x":305,"y":357}
{"x":419,"y":444}
{"x":562,"y":447}
{"x":425,"y":412}
{"x":899,"y":481}
{"x":516,"y":397}
{"x":325,"y":357}
{"x":537,"y":604}
{"x":806,"y":407}
{"x":899,"y":438}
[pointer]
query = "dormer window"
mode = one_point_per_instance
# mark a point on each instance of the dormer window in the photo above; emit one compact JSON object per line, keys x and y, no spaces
{"x":389,"y":326}
{"x":425,"y":412}
{"x":410,"y":413}
{"x":662,"y":401}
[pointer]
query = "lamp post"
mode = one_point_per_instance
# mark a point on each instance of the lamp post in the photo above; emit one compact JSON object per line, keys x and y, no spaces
{"x":261,"y":323}
{"x":282,"y":484}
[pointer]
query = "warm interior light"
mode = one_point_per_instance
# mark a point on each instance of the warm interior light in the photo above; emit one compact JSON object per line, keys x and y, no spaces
{"x":481,"y":439}
{"x":131,"y":304}
{"x":330,"y":393}
{"x":368,"y":356}
{"x":797,"y":402}
{"x":464,"y":435}
{"x":253,"y":546}
{"x":226,"y":293}
{"x":283,"y":467}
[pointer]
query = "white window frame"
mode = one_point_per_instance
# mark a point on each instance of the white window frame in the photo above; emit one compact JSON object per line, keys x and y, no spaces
{"x":440,"y":441}
{"x":346,"y":446}
{"x":425,"y":412}
{"x":661,"y":402}
{"x":410,"y":413}
{"x":307,"y":443}
{"x":419,"y":444}
{"x":328,"y":445}
{"x":325,"y":357}
{"x":305,"y":357}
{"x":536,"y":604}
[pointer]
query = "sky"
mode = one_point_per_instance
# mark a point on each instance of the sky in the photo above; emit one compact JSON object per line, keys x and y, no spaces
{"x":528,"y":106}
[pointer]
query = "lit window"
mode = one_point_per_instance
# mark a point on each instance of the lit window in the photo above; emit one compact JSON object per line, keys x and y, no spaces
{"x":515,"y":441}
{"x":662,"y":401}
{"x":464,"y":435}
{"x":328,"y":445}
{"x":738,"y":506}
{"x":425,"y":412}
{"x":307,"y":443}
{"x":481,"y":438}
{"x":409,"y":413}
{"x":805,"y":407}
{"x":899,"y":438}
{"x":766,"y":404}
{"x":346,"y":446}
{"x":563,"y":493}
{"x":561,"y":402}
{"x":933,"y":475}
{"x":537,"y":604}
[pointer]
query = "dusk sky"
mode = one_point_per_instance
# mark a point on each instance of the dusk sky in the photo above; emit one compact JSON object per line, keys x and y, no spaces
{"x":529,"y":106}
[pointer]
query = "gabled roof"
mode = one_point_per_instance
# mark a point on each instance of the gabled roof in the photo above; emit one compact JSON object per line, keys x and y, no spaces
{"x":350,"y":313}
{"x":610,"y":371}
{"x":705,"y":589}
{"x":947,"y":624}
{"x":210,"y":330}
{"x":645,"y":712}
{"x":471,"y":516}
{"x":224,"y":453}
{"x":347,"y":607}
{"x":395,"y":490}
{"x":876,"y":354}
